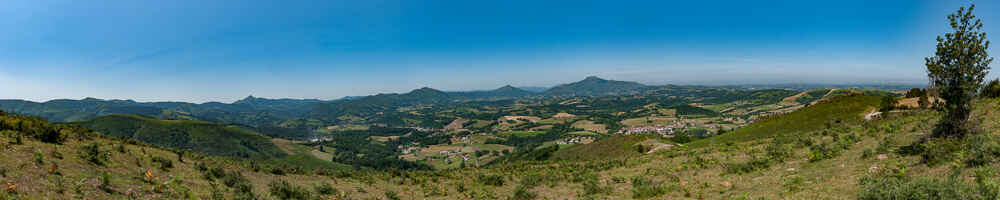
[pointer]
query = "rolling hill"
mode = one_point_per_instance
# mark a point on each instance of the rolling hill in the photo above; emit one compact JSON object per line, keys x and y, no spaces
{"x":505,"y":92}
{"x":250,"y":111}
{"x":197,"y":136}
{"x":594,"y":86}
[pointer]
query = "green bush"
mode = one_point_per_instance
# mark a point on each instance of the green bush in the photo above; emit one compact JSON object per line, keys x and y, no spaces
{"x":325,"y":189}
{"x":235,"y":179}
{"x":522,"y":193}
{"x":644,"y":188}
{"x":751,"y":165}
{"x":39,"y":157}
{"x":991,"y":89}
{"x":823,"y":151}
{"x":391,"y":195}
{"x":982,"y":150}
{"x":778,"y":149}
{"x":591,"y":186}
{"x":493,"y":179}
{"x":922,"y":188}
{"x":284,"y":190}
{"x":92,"y":153}
{"x":106,"y":182}
{"x":888,"y":103}
{"x":165,"y":164}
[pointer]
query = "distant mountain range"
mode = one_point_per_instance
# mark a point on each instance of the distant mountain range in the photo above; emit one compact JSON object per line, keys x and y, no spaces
{"x":264,"y":112}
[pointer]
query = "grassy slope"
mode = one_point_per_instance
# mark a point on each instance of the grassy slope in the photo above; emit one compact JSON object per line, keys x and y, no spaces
{"x":616,"y":147}
{"x":686,"y":173}
{"x":203,"y":137}
{"x":848,"y":109}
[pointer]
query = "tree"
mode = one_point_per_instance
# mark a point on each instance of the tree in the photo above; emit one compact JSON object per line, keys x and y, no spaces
{"x":991,"y":90}
{"x":915,"y":92}
{"x":958,"y":68}
{"x":888,"y":103}
{"x":923,"y":102}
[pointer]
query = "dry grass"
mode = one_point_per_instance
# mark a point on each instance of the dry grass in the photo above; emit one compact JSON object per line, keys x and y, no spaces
{"x":588,"y":125}
{"x":456,"y":124}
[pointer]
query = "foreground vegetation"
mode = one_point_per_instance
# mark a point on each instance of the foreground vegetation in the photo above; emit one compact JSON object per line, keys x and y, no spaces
{"x":878,"y":159}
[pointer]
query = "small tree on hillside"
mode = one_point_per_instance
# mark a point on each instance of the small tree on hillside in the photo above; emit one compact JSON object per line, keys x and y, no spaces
{"x":958,"y":68}
{"x":888,"y":103}
{"x":991,"y":90}
{"x":923,"y":102}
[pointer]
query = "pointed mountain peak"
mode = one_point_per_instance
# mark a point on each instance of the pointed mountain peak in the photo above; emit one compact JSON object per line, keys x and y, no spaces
{"x":508,"y":87}
{"x":426,"y":89}
{"x":248,"y":99}
{"x":593,"y":78}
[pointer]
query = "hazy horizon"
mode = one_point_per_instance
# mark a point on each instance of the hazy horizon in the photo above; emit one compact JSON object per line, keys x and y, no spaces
{"x":223,"y":51}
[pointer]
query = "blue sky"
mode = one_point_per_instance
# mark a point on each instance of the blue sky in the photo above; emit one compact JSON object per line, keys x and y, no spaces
{"x":186,"y":50}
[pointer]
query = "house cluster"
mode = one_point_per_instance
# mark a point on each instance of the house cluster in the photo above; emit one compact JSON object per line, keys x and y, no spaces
{"x":450,"y":152}
{"x":662,"y":130}
{"x":576,"y":140}
{"x":409,"y":150}
{"x":429,"y":130}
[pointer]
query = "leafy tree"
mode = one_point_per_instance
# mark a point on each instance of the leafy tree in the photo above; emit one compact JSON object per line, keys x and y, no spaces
{"x":888,"y":103}
{"x":923,"y":102}
{"x":915,"y":92}
{"x":958,"y":68}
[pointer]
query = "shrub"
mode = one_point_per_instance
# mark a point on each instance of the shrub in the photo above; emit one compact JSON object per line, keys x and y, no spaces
{"x":165,"y":164}
{"x":822,"y":151}
{"x":325,"y":189}
{"x":56,"y":154}
{"x":39,"y":157}
{"x":492,"y":180}
{"x":794,"y":185}
{"x":643,"y":188}
{"x":991,"y":90}
{"x":235,"y":179}
{"x":522,"y":193}
{"x":982,"y":150}
{"x":751,"y":165}
{"x":778,"y":149}
{"x":681,"y":138}
{"x":284,"y":190}
{"x":391,"y":195}
{"x":531,"y":180}
{"x":888,"y":103}
{"x":214,"y":172}
{"x":106,"y":182}
{"x":901,"y":188}
{"x":592,"y":186}
{"x":92,"y":153}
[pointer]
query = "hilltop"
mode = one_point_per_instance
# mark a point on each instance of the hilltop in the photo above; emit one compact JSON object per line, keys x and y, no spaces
{"x":197,"y":136}
{"x":594,"y":86}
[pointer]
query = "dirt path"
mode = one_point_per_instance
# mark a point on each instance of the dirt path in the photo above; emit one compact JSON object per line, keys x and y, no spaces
{"x":790,"y":101}
{"x":872,"y":114}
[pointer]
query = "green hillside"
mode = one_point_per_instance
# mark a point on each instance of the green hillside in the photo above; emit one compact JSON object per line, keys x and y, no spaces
{"x":615,"y":147}
{"x":197,"y":136}
{"x":843,"y":109}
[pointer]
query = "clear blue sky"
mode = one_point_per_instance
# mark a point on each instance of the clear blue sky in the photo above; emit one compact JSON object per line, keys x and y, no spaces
{"x":194,"y":50}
